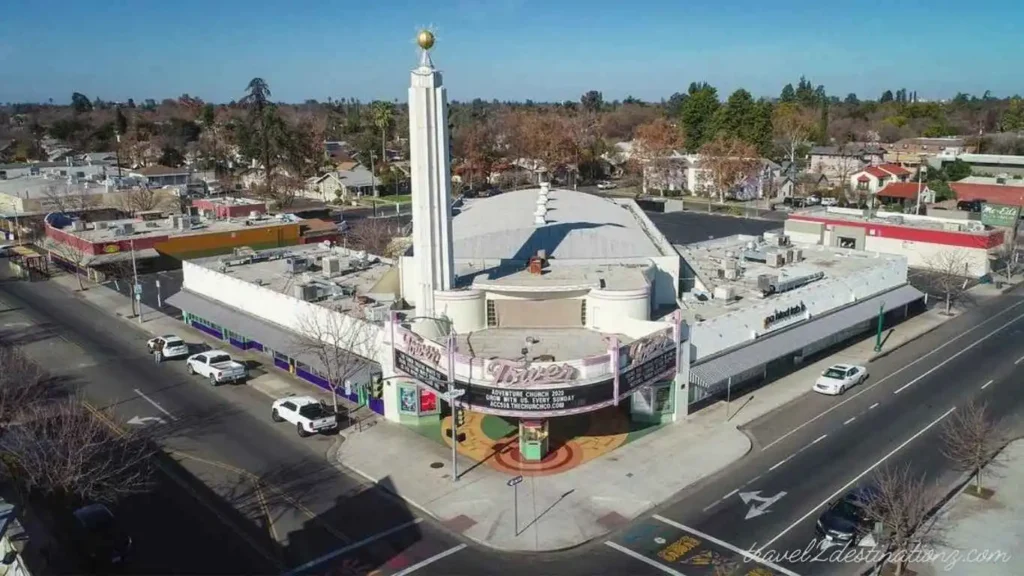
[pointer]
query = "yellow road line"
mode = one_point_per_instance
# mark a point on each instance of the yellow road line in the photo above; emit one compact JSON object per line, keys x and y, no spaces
{"x":266,"y":512}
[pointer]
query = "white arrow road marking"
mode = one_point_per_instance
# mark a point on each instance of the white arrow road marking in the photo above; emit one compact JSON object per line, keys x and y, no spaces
{"x":763,"y":504}
{"x":142,"y":420}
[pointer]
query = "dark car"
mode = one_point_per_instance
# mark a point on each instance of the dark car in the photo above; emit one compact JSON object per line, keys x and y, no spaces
{"x":846,"y":519}
{"x":98,"y":538}
{"x":969,"y":205}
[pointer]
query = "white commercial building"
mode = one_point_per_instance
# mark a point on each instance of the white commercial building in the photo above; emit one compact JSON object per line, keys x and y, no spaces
{"x":537,"y":304}
{"x":951,"y":245}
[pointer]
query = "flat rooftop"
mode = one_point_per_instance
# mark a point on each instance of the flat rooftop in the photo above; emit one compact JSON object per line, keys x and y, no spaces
{"x":890,"y":219}
{"x":356,"y":277}
{"x":560,"y":343}
{"x":232,"y":201}
{"x":107,"y":231}
{"x":579,"y":226}
{"x":745,"y":253}
{"x":565,"y":276}
{"x":991,"y":180}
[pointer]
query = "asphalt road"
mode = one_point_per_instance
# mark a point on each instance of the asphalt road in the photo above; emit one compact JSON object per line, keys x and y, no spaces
{"x":329,"y":522}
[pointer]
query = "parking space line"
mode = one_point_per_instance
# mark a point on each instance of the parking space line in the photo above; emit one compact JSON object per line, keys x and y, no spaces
{"x":353,"y":546}
{"x":916,"y":435}
{"x":746,"y":554}
{"x":430,"y":560}
{"x":985,"y":385}
{"x":886,"y":378}
{"x":849,"y":421}
{"x":155,"y":405}
{"x":644,"y":559}
{"x":1019,"y":360}
{"x":873,"y":406}
{"x":819,"y":439}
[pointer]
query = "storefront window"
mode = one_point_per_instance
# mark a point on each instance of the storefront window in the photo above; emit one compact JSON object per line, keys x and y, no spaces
{"x":407,"y":400}
{"x":655,"y":399}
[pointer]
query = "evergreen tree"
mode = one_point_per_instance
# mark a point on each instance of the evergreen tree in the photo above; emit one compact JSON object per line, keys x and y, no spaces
{"x":788,"y":95}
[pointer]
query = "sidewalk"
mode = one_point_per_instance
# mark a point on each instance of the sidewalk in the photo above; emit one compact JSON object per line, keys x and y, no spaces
{"x":982,"y":537}
{"x":554,"y":511}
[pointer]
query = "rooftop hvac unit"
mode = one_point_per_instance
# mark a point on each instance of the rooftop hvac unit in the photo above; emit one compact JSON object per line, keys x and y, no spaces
{"x":798,"y":255}
{"x":128,"y":228}
{"x":101,"y":225}
{"x":775,"y":260}
{"x":305,"y":292}
{"x":729,"y":264}
{"x":732,"y":274}
{"x":720,"y":273}
{"x":296,"y":265}
{"x":771,"y":238}
{"x":77,"y":225}
{"x":726,"y":293}
{"x":765,"y":281}
{"x":174,"y":221}
{"x":951,"y":226}
{"x":790,"y":255}
{"x":331,"y":266}
{"x":377,"y":313}
{"x":785,"y":284}
{"x":754,"y":256}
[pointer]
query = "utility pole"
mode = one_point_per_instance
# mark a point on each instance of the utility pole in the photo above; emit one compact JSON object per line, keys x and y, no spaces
{"x":920,"y":170}
{"x":878,"y":333}
{"x":136,"y":287}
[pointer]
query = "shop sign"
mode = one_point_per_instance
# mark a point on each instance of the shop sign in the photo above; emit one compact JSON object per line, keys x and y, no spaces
{"x":649,"y":348}
{"x":418,"y":348}
{"x":517,"y":373}
{"x":407,"y":399}
{"x":999,"y":215}
{"x":430,"y":377}
{"x":652,"y":370}
{"x":784,"y":314}
{"x":529,"y":401}
{"x":111,"y":248}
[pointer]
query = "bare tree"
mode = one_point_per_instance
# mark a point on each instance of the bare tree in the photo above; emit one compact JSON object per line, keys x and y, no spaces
{"x":792,"y":125}
{"x":65,"y":453}
{"x":653,"y":146}
{"x":373,"y":235}
{"x":949,"y":274}
{"x":971,"y":441}
{"x":23,"y":385}
{"x":845,"y":165}
{"x":726,"y":162}
{"x":337,"y":341}
{"x":69,"y":197}
{"x":141,"y":199}
{"x":69,"y":255}
{"x":899,"y":511}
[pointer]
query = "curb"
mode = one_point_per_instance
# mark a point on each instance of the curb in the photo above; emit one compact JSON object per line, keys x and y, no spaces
{"x":885,"y":353}
{"x":948,"y":498}
{"x":337,"y":461}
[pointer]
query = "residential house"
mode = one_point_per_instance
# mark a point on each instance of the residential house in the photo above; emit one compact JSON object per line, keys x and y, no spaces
{"x":341,"y":185}
{"x":163,"y":175}
{"x":905,"y":194}
{"x":1003,"y":189}
{"x":838,"y":162}
{"x":7,"y":150}
{"x":800,"y":184}
{"x":676,"y":173}
{"x":909,"y":152}
{"x":873,"y":178}
{"x":337,"y":151}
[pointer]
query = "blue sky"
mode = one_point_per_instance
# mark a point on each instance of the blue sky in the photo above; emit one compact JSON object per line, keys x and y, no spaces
{"x":505,"y":49}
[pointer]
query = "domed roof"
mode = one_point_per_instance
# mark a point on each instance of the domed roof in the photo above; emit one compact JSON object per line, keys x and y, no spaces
{"x":579,"y":226}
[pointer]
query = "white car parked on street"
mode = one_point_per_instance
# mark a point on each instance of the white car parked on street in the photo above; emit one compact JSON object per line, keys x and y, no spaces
{"x":840,"y":377}
{"x":168,"y":345}
{"x":217,"y":366}
{"x":308,"y":414}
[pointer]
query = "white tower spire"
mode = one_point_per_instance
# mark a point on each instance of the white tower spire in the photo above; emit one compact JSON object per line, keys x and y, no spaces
{"x":431,"y":181}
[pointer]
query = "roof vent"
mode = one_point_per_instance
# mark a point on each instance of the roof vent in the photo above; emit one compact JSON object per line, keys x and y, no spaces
{"x":540,"y":215}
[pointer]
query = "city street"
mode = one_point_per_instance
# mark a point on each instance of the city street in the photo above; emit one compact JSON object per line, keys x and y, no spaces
{"x":324,"y":520}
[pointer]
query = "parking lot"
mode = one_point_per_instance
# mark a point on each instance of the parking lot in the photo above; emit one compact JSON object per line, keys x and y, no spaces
{"x":690,"y":227}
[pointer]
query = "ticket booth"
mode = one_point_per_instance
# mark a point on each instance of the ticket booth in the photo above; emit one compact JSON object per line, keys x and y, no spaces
{"x":533,"y":439}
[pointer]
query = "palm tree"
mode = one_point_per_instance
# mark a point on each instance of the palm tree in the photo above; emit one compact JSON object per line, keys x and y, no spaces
{"x":383,"y":114}
{"x":257,"y":100}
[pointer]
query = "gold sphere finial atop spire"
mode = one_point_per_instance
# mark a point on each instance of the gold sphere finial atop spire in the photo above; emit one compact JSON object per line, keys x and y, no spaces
{"x":425,"y":39}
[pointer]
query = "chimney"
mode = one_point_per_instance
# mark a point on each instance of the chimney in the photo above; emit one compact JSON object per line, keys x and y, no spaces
{"x":540,"y":216}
